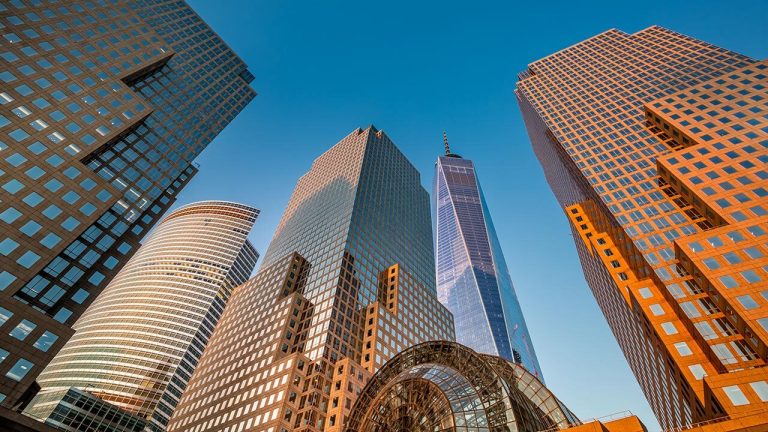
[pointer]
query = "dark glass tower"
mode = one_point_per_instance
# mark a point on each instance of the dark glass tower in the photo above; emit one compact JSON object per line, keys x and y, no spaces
{"x":472,"y":277}
{"x":103,"y":108}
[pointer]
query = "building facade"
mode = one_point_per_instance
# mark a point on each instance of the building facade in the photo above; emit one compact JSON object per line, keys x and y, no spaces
{"x":347,"y":283}
{"x":472,"y":277}
{"x":137,"y":345}
{"x":656,"y":146}
{"x":104,"y":105}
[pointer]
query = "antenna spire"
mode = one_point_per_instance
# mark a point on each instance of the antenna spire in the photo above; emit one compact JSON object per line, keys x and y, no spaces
{"x":445,"y":142}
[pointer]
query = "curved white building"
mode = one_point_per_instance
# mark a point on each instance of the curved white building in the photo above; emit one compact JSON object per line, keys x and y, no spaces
{"x":138,"y":343}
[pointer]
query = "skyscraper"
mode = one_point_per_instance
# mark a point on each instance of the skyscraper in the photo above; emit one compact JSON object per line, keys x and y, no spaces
{"x":655,"y":145}
{"x":472,"y":277}
{"x":137,"y":345}
{"x":347,"y":282}
{"x":103,"y":108}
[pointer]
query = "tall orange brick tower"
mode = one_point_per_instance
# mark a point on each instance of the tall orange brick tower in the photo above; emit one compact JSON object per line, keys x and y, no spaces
{"x":656,"y":146}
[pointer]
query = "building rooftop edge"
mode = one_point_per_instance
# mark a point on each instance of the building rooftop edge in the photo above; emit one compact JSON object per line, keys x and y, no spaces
{"x":612,"y":29}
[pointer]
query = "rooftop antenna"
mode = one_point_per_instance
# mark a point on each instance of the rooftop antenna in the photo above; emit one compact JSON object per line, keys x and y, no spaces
{"x":445,"y":142}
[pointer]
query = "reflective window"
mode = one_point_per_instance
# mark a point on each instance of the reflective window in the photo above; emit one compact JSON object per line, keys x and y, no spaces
{"x":736,"y":396}
{"x":698,"y":371}
{"x":645,"y":293}
{"x":750,"y":276}
{"x":10,"y":215}
{"x":5,"y":315}
{"x":6,"y":279}
{"x":656,"y":309}
{"x":19,"y":370}
{"x":747,"y":301}
{"x":728,"y":281}
{"x":7,"y":246}
{"x":669,"y":328}
{"x":761,"y":389}
{"x":45,"y":341}
{"x":62,"y":315}
{"x":711,"y":263}
{"x":683,"y":349}
{"x":23,"y":329}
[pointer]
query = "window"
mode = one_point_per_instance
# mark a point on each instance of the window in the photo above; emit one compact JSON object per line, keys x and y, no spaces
{"x":35,"y":172}
{"x":732,"y":258}
{"x":52,"y":211}
{"x":45,"y":341}
{"x":735,"y":236}
{"x":761,"y":389}
{"x":50,"y":240}
{"x":747,"y":301}
{"x":80,"y":296}
{"x":6,"y":279}
{"x":735,"y":395}
{"x":763,"y":323}
{"x":53,"y":185}
{"x":723,"y":353}
{"x":62,"y":315}
{"x":70,"y":223}
{"x":5,"y":315}
{"x":28,"y":259}
{"x":683,"y":349}
{"x":750,"y":276}
{"x":698,"y":371}
{"x":656,"y":309}
{"x":23,"y":329}
{"x":706,"y":330}
{"x":711,"y":263}
{"x":669,"y":328}
{"x":30,"y":228}
{"x":71,"y":197}
{"x":13,"y":186}
{"x":7,"y":246}
{"x":33,"y":199}
{"x":10,"y":215}
{"x":690,"y":309}
{"x":715,"y":241}
{"x":728,"y":281}
{"x":19,"y":370}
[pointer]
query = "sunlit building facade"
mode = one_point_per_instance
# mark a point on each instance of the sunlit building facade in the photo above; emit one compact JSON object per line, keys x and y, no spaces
{"x":137,"y":345}
{"x":472,"y":277}
{"x":347,"y":283}
{"x":104,"y":105}
{"x":656,"y":146}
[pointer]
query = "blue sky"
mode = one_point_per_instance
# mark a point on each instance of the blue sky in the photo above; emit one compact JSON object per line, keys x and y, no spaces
{"x":413,"y":69}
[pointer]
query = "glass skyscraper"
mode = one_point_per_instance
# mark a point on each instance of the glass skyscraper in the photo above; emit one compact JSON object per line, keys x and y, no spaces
{"x":104,"y":105}
{"x":347,"y":282}
{"x":656,"y":146}
{"x":472,"y":277}
{"x":137,"y":345}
